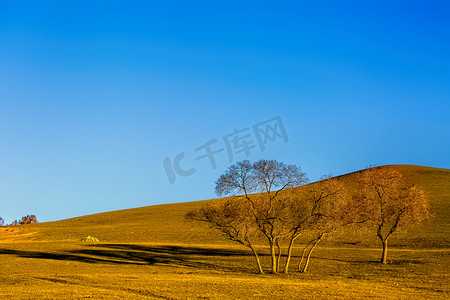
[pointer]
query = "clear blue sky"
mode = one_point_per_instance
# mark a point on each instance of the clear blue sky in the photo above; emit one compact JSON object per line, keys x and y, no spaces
{"x":94,"y":95}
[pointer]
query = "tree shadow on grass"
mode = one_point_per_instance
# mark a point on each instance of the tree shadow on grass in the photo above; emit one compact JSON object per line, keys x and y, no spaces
{"x":370,"y":262}
{"x":194,"y":257}
{"x":350,"y":260}
{"x":56,"y":256}
{"x":129,"y":254}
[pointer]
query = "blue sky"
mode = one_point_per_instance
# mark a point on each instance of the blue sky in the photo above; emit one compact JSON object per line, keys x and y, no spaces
{"x":94,"y":95}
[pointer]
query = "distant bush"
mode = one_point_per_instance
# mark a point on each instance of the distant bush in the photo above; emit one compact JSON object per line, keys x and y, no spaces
{"x":28,"y":219}
{"x":2,"y":222}
{"x":90,"y":239}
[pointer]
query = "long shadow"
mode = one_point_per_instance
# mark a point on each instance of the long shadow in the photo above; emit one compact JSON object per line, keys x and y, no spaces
{"x":332,"y":259}
{"x":162,"y":255}
{"x":375,"y":262}
{"x":176,"y":250}
{"x":138,"y":255}
{"x":346,"y":260}
{"x":57,"y":256}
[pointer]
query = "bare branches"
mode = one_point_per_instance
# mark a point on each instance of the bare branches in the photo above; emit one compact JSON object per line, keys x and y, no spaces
{"x":387,"y":203}
{"x":233,"y":218}
{"x":236,"y":180}
{"x":270,"y":203}
{"x":267,"y":178}
{"x":319,"y":208}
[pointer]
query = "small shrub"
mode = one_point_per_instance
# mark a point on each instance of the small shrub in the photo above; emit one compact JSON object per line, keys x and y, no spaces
{"x":28,"y":219}
{"x":90,"y":239}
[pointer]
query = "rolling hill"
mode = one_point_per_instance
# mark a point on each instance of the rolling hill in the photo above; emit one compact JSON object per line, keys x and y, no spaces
{"x":154,"y":253}
{"x":166,"y":223}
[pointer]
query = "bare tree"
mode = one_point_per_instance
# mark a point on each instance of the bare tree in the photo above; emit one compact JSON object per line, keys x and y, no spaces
{"x":2,"y":222}
{"x":389,"y":203}
{"x":232,"y":218}
{"x":319,"y":209}
{"x":266,"y":178}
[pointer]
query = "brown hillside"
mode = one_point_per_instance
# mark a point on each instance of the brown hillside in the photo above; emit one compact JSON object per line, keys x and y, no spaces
{"x":166,"y":223}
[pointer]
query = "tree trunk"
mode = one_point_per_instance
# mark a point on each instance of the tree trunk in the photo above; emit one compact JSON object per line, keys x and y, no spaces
{"x":288,"y":258}
{"x":310,"y":251}
{"x":258,"y":262}
{"x":273,"y":256}
{"x":279,"y":255}
{"x":384,"y":255}
{"x":303,"y":256}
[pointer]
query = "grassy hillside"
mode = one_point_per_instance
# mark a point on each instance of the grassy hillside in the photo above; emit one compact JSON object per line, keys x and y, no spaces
{"x":153,"y":253}
{"x":166,"y":223}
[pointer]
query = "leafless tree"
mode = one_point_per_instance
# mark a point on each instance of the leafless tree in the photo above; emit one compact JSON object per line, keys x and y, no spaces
{"x":389,"y":203}
{"x":232,"y":218}
{"x":2,"y":222}
{"x":260,"y":185}
{"x":268,"y":201}
{"x":319,"y":209}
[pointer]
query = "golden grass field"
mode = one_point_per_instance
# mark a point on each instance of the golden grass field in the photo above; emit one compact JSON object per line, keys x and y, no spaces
{"x":154,"y":253}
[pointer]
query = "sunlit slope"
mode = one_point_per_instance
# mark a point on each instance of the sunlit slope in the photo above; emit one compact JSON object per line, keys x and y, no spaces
{"x":166,"y":223}
{"x":159,"y":223}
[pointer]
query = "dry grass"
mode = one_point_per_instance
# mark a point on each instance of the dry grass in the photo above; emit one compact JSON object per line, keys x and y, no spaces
{"x":152,"y":252}
{"x":74,"y":270}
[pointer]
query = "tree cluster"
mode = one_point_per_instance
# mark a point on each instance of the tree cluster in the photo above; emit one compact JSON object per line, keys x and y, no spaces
{"x":268,"y":202}
{"x":28,"y":219}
